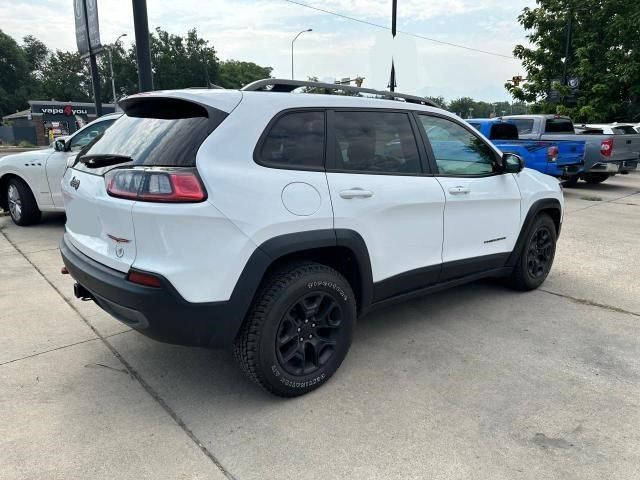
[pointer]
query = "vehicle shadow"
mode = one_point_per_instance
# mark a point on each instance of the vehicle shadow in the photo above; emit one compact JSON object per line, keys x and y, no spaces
{"x":196,"y":379}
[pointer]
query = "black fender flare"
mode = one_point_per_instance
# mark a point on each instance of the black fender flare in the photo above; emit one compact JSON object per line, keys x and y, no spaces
{"x":538,"y":206}
{"x":269,"y":252}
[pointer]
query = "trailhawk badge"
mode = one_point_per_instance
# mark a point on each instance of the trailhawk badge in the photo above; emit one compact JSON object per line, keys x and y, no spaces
{"x":75,"y":183}
{"x":120,"y":242}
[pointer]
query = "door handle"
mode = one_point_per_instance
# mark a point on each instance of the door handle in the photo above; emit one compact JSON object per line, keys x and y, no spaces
{"x":459,"y":190}
{"x":356,"y":193}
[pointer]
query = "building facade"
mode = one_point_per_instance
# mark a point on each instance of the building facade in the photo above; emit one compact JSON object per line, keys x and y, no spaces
{"x":46,"y":120}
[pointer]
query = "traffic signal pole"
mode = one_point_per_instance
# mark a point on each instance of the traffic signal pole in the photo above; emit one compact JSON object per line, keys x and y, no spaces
{"x":143,"y":53}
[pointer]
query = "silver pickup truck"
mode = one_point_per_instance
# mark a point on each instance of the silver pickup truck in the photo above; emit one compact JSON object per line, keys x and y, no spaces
{"x":605,"y":156}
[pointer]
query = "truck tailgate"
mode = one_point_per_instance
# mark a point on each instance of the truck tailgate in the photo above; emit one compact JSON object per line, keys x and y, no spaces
{"x":625,"y":147}
{"x":570,"y":152}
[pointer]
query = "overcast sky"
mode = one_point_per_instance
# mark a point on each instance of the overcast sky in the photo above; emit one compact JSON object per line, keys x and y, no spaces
{"x":260,"y":31}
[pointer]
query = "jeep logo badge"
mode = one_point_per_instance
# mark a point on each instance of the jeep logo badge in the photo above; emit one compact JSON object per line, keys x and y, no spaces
{"x":75,"y":183}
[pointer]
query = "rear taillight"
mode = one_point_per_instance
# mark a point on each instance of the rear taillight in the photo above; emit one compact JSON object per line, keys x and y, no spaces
{"x":552,"y":153}
{"x":171,"y":185}
{"x":145,"y":279}
{"x":606,"y":147}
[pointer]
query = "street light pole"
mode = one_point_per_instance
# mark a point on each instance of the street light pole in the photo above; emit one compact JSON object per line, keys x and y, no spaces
{"x":292,"y":42}
{"x":113,"y":82}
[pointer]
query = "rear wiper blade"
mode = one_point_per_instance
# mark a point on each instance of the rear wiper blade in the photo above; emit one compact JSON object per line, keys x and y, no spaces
{"x":97,"y":161}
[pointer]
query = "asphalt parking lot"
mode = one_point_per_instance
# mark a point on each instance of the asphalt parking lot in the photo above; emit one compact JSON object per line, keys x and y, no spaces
{"x":478,"y":382}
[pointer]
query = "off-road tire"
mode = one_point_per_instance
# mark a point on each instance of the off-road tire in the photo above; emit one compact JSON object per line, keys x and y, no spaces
{"x":571,"y":181}
{"x":595,"y":178}
{"x":29,"y":213}
{"x":258,"y":342}
{"x":522,"y":277}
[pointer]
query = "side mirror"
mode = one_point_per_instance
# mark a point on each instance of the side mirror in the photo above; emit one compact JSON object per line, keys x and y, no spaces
{"x":512,"y":163}
{"x":60,"y":145}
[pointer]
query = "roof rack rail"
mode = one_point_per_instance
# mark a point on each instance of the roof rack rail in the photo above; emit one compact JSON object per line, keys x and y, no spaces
{"x":287,"y":86}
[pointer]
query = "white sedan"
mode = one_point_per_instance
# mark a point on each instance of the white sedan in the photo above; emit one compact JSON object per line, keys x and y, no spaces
{"x":30,"y":181}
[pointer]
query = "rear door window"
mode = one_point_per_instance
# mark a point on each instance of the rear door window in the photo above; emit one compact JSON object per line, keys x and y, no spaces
{"x":558,"y":125}
{"x":503,"y":131}
{"x":524,"y":125}
{"x":375,"y":142}
{"x":296,"y":140}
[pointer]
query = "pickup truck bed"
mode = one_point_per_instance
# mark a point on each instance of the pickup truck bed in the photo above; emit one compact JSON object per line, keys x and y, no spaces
{"x":605,"y":155}
{"x":558,"y":158}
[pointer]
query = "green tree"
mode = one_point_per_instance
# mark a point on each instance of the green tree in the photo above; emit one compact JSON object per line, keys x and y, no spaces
{"x":182,"y":62}
{"x":439,"y":100}
{"x":604,"y":55}
{"x":14,"y":75}
{"x":237,"y":74}
{"x":66,"y":77}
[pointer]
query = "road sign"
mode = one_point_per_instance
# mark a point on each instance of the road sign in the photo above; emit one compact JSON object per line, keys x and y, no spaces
{"x":573,"y":83}
{"x":87,"y":27}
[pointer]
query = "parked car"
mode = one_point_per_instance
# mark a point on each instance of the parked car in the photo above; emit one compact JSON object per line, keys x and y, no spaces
{"x":606,"y":155}
{"x":269,"y":221}
{"x":613,"y":128}
{"x":559,"y":158}
{"x":30,"y":181}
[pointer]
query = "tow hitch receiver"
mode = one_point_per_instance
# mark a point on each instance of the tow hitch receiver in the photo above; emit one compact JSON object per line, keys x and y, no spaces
{"x":82,"y":293}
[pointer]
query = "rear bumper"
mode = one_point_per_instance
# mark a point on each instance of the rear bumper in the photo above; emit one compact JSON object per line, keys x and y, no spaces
{"x":159,"y":313}
{"x":628,"y":166}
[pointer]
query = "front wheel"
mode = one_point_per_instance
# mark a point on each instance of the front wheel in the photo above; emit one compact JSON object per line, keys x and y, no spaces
{"x":298,"y":331}
{"x":537,"y":254}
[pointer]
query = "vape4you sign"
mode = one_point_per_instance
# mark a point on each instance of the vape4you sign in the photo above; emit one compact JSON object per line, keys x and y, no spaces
{"x":87,"y":27}
{"x":67,"y":110}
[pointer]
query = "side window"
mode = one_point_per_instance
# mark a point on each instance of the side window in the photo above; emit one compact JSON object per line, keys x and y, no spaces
{"x":457,"y":151}
{"x":375,"y":142}
{"x":295,"y":140}
{"x":88,"y":134}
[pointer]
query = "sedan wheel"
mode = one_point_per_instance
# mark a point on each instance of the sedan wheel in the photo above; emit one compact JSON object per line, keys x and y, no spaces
{"x":15,"y":203}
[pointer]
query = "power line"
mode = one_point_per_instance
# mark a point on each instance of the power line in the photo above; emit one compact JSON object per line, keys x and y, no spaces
{"x":377,"y":25}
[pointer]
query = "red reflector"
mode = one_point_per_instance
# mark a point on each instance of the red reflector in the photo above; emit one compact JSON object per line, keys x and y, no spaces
{"x":145,"y":279}
{"x":552,"y":153}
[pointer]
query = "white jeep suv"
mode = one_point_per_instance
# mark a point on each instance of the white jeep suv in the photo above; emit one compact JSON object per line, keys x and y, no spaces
{"x":269,"y":221}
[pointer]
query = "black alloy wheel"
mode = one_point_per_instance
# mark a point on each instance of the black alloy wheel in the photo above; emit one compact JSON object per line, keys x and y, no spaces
{"x":540,"y":253}
{"x":308,"y":334}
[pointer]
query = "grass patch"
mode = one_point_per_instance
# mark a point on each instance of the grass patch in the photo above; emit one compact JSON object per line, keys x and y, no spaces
{"x":590,"y":198}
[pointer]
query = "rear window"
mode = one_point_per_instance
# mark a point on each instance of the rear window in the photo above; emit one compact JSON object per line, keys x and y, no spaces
{"x":559,"y":125}
{"x":155,"y":132}
{"x":503,"y":131}
{"x":524,"y":126}
{"x":623,"y":130}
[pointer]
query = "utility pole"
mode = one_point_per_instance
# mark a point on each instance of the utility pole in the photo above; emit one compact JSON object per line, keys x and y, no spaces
{"x":292,"y":42}
{"x":113,"y":81}
{"x":394,"y":15}
{"x":143,"y":53}
{"x":567,"y":48}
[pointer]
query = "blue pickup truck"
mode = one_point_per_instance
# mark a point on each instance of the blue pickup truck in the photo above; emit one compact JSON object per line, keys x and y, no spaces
{"x":559,"y":158}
